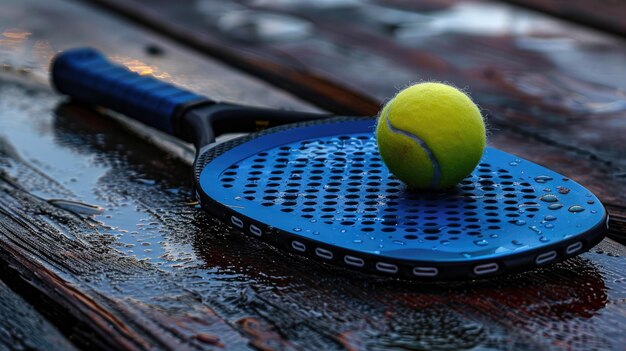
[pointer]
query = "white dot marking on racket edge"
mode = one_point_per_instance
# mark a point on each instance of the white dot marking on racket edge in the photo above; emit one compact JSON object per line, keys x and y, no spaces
{"x":298,"y":246}
{"x":425,"y":271}
{"x":386,"y":267}
{"x":236,"y":222}
{"x":486,"y":268}
{"x":354,"y":261}
{"x":573,"y":248}
{"x":323,"y":253}
{"x":545,"y":257}
{"x":255,"y":230}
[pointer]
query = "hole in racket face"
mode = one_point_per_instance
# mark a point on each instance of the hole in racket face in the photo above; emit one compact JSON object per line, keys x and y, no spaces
{"x":330,"y":185}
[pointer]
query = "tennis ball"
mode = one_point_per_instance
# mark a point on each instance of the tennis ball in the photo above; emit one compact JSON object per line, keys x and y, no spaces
{"x":431,"y":136}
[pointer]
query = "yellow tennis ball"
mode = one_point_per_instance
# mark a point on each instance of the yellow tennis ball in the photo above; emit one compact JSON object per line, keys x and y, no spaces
{"x":431,"y":136}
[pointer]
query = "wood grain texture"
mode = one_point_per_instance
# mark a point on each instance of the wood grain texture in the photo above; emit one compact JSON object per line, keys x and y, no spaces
{"x":154,"y":272}
{"x":23,"y":328}
{"x":554,"y":82}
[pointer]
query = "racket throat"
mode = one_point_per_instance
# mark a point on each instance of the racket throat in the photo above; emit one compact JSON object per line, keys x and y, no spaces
{"x":202,"y":123}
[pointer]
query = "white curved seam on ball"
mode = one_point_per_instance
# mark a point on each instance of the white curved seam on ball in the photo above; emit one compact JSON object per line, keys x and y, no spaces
{"x":422,"y":144}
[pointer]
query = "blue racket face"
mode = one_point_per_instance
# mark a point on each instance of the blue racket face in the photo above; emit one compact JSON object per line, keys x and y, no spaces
{"x":321,"y":189}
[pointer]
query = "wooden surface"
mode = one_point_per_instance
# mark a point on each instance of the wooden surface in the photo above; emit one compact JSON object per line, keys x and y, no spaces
{"x":606,"y":15}
{"x":154,"y":272}
{"x":23,"y":328}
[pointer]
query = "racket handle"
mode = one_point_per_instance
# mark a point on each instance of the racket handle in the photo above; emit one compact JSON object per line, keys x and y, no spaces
{"x":86,"y":75}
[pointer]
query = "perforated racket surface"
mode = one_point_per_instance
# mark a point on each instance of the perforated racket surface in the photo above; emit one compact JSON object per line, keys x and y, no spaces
{"x":320,"y":189}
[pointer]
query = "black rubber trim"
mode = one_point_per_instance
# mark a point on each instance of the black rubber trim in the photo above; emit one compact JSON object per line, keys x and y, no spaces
{"x":180,"y":111}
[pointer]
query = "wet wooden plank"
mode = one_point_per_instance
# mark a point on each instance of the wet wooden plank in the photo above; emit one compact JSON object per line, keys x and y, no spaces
{"x":23,"y":328}
{"x":85,"y":285}
{"x":556,"y":82}
{"x":606,"y":15}
{"x":153,"y":271}
{"x":31,"y":33}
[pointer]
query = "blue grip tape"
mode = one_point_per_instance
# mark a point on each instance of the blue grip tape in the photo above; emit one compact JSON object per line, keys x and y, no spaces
{"x":86,"y":75}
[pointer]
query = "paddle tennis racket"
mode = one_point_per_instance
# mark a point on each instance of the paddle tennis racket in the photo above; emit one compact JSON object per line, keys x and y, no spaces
{"x":316,"y":186}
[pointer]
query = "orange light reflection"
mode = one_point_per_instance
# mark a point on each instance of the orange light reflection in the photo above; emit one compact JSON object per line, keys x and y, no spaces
{"x":140,"y":67}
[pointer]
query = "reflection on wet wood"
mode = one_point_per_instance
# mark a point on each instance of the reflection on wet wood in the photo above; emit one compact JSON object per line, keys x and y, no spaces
{"x":106,"y":297}
{"x":153,"y":271}
{"x":556,"y":83}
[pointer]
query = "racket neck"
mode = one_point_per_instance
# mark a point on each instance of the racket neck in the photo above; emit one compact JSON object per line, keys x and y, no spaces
{"x":202,"y":122}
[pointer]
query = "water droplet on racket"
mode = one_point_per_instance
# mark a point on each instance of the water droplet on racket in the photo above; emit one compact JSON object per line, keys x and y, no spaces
{"x":494,"y":236}
{"x":555,"y":206}
{"x":357,"y":241}
{"x":590,"y":202}
{"x":543,"y":179}
{"x":516,"y":242}
{"x":549,"y":198}
{"x":535,"y":229}
{"x":297,"y":229}
{"x":549,"y":225}
{"x":576,"y":209}
{"x":513,"y":163}
{"x":563,"y":190}
{"x":482,"y":242}
{"x":398,"y":242}
{"x":549,"y":218}
{"x":543,"y":239}
{"x":466,"y":255}
{"x":520,"y":222}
